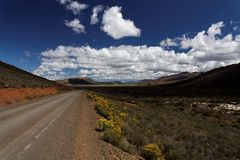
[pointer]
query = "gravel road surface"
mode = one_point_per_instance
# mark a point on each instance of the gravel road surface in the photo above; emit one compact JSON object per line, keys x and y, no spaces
{"x":60,"y":127}
{"x":45,"y":129}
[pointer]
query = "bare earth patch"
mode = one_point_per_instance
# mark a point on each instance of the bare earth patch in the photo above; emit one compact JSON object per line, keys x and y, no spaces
{"x":13,"y":95}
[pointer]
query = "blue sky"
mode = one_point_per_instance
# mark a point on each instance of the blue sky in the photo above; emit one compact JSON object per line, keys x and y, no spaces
{"x":28,"y":29}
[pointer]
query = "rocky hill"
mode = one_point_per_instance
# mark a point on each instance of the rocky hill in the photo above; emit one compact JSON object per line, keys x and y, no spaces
{"x":13,"y":77}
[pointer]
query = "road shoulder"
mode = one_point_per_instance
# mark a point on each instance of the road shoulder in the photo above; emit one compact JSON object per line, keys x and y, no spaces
{"x":89,"y":145}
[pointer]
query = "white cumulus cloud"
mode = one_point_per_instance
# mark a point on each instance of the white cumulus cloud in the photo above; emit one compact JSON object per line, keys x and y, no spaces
{"x":215,"y":29}
{"x":206,"y":50}
{"x":75,"y":25}
{"x":116,"y":26}
{"x":168,"y":43}
{"x":76,"y":7}
{"x":95,"y":12}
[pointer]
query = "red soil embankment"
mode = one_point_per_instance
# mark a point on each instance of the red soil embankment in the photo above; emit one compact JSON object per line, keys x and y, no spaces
{"x":13,"y":95}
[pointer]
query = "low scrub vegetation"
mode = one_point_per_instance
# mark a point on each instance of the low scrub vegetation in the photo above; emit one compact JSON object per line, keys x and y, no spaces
{"x":112,"y":128}
{"x":110,"y":124}
{"x":12,"y":95}
{"x":170,"y":127}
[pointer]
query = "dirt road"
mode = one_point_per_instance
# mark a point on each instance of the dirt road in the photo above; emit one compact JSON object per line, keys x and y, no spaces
{"x":59,"y":127}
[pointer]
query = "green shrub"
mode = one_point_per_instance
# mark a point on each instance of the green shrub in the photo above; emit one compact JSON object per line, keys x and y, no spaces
{"x":111,"y":136}
{"x":125,"y":146}
{"x":101,"y":111}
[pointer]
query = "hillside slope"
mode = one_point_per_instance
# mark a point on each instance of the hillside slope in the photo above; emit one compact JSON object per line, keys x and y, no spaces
{"x":171,"y":79}
{"x":220,"y":79}
{"x":13,"y":77}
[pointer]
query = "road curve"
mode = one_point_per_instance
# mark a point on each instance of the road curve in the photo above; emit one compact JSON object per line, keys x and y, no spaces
{"x":42,"y":130}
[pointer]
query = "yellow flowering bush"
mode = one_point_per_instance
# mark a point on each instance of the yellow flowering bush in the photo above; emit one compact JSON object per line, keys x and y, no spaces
{"x":102,"y":102}
{"x":152,"y":152}
{"x":117,"y":129}
{"x":103,"y":107}
{"x":104,"y":124}
{"x":111,"y":131}
{"x":110,"y":124}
